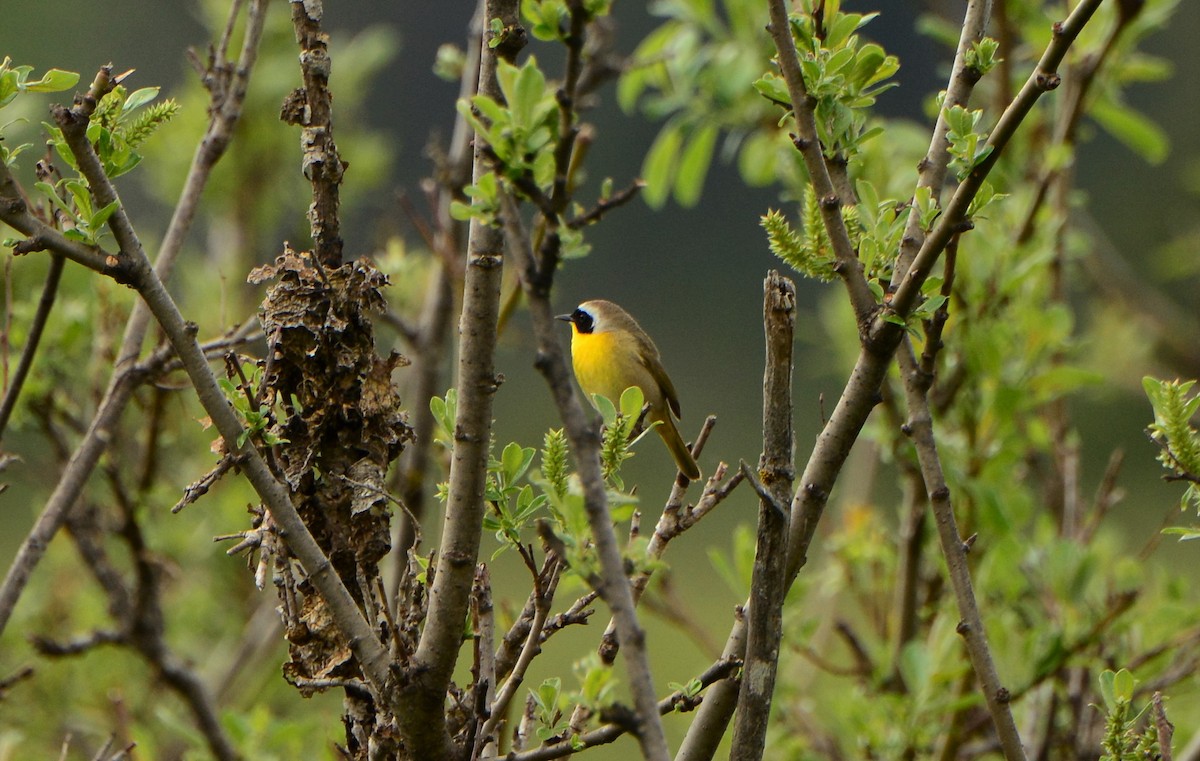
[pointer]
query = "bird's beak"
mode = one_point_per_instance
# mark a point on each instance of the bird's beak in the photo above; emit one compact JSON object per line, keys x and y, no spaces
{"x":564,"y":317}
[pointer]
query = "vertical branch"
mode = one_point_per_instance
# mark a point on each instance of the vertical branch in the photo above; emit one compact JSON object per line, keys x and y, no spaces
{"x":932,"y":169}
{"x":920,"y":428}
{"x":422,"y":717}
{"x":848,"y":267}
{"x":29,"y":351}
{"x":768,"y":584}
{"x":612,"y":584}
{"x":311,"y":107}
{"x":430,"y":345}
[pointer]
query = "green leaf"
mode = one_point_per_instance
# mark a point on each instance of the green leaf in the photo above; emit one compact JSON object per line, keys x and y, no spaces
{"x":528,"y":92}
{"x":1184,"y":534}
{"x":870,"y":58}
{"x":773,"y":88}
{"x":693,"y":167}
{"x":510,"y":460}
{"x":659,"y":166}
{"x":52,"y":195}
{"x":139,"y":98}
{"x":604,"y":405}
{"x":632,"y":401}
{"x":1136,"y":131}
{"x":1122,"y":685}
{"x":54,"y":80}
{"x":877,"y":292}
{"x":842,"y":27}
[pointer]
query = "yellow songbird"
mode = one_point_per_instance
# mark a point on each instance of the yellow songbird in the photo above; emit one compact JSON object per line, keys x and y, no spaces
{"x":610,"y":353}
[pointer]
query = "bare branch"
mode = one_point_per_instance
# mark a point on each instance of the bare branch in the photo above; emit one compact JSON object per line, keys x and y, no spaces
{"x":920,"y":429}
{"x":677,"y":700}
{"x":32,"y":340}
{"x":421,"y":715}
{"x":311,"y":107}
{"x":768,"y":585}
{"x":121,"y":384}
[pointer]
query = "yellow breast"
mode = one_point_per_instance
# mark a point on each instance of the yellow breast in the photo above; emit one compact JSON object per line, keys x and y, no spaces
{"x":608,"y":363}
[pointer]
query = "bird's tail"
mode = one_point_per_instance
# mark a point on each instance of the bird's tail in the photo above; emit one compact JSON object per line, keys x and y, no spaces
{"x":679,"y":450}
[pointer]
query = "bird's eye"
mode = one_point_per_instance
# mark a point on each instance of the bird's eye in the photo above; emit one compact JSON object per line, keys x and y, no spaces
{"x":584,"y":322}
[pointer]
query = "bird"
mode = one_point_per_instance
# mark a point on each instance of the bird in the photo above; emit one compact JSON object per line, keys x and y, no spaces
{"x":610,"y":353}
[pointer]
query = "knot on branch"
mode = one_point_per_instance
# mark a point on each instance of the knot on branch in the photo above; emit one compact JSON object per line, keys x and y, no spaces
{"x":801,"y":143}
{"x":509,"y":41}
{"x":317,"y":62}
{"x":1048,"y":81}
{"x":12,"y":207}
{"x":487,"y":260}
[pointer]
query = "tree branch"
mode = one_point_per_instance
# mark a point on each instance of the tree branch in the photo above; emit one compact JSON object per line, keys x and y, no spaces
{"x":36,"y":326}
{"x":768,"y":585}
{"x":422,"y":716}
{"x":121,"y":384}
{"x":1043,"y":79}
{"x":311,"y":107}
{"x":861,"y":391}
{"x":932,"y":169}
{"x":585,"y":445}
{"x":920,"y":429}
{"x":848,"y":267}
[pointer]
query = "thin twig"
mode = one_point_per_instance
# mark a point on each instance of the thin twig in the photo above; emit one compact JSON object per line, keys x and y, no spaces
{"x":848,"y":267}
{"x":532,"y":647}
{"x":585,"y":445}
{"x":36,"y":326}
{"x":920,"y":429}
{"x":678,"y":700}
{"x":121,"y":384}
{"x":932,"y":169}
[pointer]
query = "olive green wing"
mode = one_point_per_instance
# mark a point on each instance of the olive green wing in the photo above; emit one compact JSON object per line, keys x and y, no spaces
{"x":650,"y":359}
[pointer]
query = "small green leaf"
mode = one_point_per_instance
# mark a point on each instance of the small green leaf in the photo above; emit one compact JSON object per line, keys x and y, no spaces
{"x":139,"y":98}
{"x":659,"y":167}
{"x":54,"y":80}
{"x":773,"y":88}
{"x":693,"y":166}
{"x":632,"y":401}
{"x":877,"y":291}
{"x":608,"y":412}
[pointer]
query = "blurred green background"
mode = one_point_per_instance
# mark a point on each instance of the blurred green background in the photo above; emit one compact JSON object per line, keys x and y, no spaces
{"x":693,"y":277}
